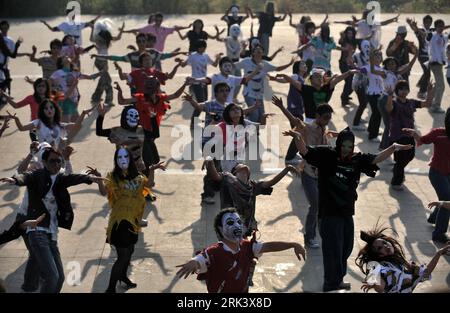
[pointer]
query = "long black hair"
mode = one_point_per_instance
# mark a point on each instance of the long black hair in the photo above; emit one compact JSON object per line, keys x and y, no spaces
{"x":447,"y":123}
{"x":44,"y":119}
{"x":367,"y":253}
{"x":47,"y":92}
{"x":226,"y":114}
{"x":325,"y":33}
{"x":198,"y":21}
{"x":132,"y":171}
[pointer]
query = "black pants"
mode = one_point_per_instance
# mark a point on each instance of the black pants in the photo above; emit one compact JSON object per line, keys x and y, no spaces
{"x":425,"y":78}
{"x":402,"y":159}
{"x":375,"y":117}
{"x":337,"y":234}
{"x":345,"y":96}
{"x":200,"y":93}
{"x":150,"y":154}
{"x":362,"y":99}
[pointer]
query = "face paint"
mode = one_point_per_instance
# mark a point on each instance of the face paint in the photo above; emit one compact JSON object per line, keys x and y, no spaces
{"x":232,"y":228}
{"x":347,"y":148}
{"x":227,"y":68}
{"x":365,"y":47}
{"x":234,"y":11}
{"x":132,"y":118}
{"x":235,"y":31}
{"x":123,"y":159}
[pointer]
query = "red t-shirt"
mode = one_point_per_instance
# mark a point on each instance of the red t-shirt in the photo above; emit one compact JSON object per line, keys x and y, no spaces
{"x":148,"y":111}
{"x":137,"y":78}
{"x":440,"y":160}
{"x":228,"y":272}
{"x":34,"y":106}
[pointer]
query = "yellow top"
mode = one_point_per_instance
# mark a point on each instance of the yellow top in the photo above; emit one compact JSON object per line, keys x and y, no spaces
{"x":126,"y":200}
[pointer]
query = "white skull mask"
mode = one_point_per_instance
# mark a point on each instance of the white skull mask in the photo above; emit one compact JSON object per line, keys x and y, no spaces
{"x":232,"y":228}
{"x":235,"y":31}
{"x":123,"y":159}
{"x":365,"y":47}
{"x":132,"y":118}
{"x":234,"y":11}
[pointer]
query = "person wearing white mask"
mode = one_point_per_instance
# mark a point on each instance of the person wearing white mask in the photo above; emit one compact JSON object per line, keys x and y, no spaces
{"x":226,"y":266}
{"x":234,"y":17}
{"x":124,"y":189}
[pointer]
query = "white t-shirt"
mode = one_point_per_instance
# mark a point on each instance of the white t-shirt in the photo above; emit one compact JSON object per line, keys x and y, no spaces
{"x":232,"y":81}
{"x":364,"y":30}
{"x":52,"y":136}
{"x":437,"y":47}
{"x":62,"y":80}
{"x":255,"y":87}
{"x":234,"y":48}
{"x":11,"y":46}
{"x":74,"y":30}
{"x":389,"y":82}
{"x":375,"y":86}
{"x":199,"y":64}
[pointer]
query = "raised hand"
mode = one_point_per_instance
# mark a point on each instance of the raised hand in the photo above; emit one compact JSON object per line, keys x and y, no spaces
{"x":291,"y":133}
{"x":434,"y":204}
{"x":93,"y":171}
{"x":67,"y":152}
{"x":117,"y":87}
{"x":187,"y":97}
{"x":187,"y":269}
{"x":159,"y":166}
{"x":366,"y":287}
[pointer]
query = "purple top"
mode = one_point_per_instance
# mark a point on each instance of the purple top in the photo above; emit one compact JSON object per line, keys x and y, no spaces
{"x":402,"y":116}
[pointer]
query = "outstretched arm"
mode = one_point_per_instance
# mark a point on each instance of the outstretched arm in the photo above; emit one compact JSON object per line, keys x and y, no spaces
{"x":174,"y":71}
{"x":181,"y":36}
{"x":197,"y":106}
{"x":179,"y":92}
{"x":391,"y":20}
{"x":431,"y":266}
{"x":292,"y":119}
{"x":337,"y":79}
{"x":212,"y":171}
{"x":280,"y":176}
{"x":299,"y":142}
{"x":53,"y":29}
{"x":275,"y":53}
{"x":21,"y":127}
{"x":383,"y":155}
{"x":121,"y":99}
{"x":283,"y":67}
{"x":281,"y":246}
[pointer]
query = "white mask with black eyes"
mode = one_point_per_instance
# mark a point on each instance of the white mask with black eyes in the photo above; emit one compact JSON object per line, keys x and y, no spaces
{"x":132,"y":118}
{"x":123,"y":159}
{"x":232,"y":228}
{"x":235,"y":31}
{"x":365,"y":47}
{"x":234,"y":11}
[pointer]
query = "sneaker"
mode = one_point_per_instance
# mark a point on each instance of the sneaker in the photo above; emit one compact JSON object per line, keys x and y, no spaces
{"x":431,"y":219}
{"x":375,"y":140}
{"x":358,"y":128}
{"x":311,"y":243}
{"x":398,"y":187}
{"x":345,"y":285}
{"x":143,"y":223}
{"x":441,"y":239}
{"x":208,"y":200}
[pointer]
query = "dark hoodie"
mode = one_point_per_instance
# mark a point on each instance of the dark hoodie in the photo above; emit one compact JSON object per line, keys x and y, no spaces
{"x":338,"y":178}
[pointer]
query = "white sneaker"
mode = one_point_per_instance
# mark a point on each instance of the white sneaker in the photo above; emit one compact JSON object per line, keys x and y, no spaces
{"x":376,"y":139}
{"x":422,"y":96}
{"x":143,"y":223}
{"x":436,"y":110}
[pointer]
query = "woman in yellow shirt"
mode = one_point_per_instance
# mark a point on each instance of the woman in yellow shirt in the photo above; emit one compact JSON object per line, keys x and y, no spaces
{"x":124,"y":189}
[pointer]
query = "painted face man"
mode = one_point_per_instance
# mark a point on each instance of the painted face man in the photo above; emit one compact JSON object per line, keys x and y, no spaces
{"x":232,"y":227}
{"x":235,"y":31}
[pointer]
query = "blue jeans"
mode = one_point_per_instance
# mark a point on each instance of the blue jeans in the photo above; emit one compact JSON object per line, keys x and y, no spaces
{"x":257,"y":114}
{"x":310,"y":185}
{"x":441,"y":184}
{"x":31,"y":275}
{"x":49,"y":261}
{"x":337,"y":234}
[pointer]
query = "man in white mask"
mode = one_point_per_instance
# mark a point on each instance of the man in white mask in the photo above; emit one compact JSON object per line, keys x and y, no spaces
{"x":226,"y":265}
{"x":234,"y":18}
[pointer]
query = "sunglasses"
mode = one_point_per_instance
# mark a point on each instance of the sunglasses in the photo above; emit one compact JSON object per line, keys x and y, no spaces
{"x":55,"y":161}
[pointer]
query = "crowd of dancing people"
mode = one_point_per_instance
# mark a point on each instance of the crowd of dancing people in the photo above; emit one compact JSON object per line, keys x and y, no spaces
{"x":330,"y":173}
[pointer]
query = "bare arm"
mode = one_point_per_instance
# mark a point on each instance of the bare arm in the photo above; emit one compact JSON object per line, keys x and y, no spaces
{"x":178,"y":93}
{"x":21,"y":127}
{"x":197,"y":106}
{"x":299,"y":142}
{"x":250,"y":13}
{"x":121,"y":99}
{"x":119,"y":36}
{"x":181,"y":36}
{"x":278,"y":102}
{"x":276,"y":53}
{"x":430,"y":95}
{"x":406,"y":68}
{"x":53,"y":29}
{"x":389,"y":21}
{"x":280,"y":176}
{"x":383,"y":155}
{"x":431,"y":266}
{"x":281,"y":246}
{"x":336,"y":80}
{"x":174,"y":70}
{"x":389,"y":103}
{"x":283,"y":67}
{"x":212,"y":171}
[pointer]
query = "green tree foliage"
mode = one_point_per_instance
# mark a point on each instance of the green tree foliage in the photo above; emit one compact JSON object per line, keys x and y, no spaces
{"x":28,"y":8}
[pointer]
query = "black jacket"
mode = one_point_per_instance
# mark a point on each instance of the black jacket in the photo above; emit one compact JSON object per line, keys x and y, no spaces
{"x":39,"y":183}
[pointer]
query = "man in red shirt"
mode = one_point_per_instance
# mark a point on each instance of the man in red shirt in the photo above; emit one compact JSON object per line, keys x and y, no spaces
{"x":225,"y":266}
